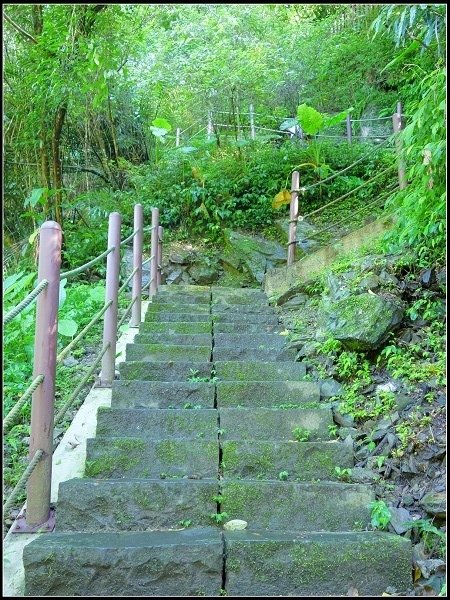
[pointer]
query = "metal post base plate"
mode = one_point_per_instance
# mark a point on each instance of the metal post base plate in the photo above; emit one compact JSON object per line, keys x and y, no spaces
{"x":20,"y":525}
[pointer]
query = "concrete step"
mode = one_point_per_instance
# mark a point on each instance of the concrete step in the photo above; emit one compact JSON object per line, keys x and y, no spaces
{"x":181,"y":339}
{"x":303,"y":461}
{"x":93,"y":505}
{"x":177,"y":307}
{"x":165,"y":370}
{"x":162,"y":394}
{"x":178,"y":317}
{"x":169,"y":563}
{"x":316,"y":564}
{"x":161,"y":424}
{"x":250,"y":328}
{"x":274,"y":424}
{"x":181,"y":298}
{"x":287,"y":506}
{"x":253,"y":354}
{"x":125,"y":457}
{"x":249,"y":340}
{"x":159,"y":352}
{"x":259,"y":371}
{"x":172,"y":327}
{"x":194,"y":290}
{"x":270,"y":394}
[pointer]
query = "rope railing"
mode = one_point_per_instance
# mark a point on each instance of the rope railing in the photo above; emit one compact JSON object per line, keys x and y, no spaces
{"x":60,"y":415}
{"x":83,"y":332}
{"x":149,"y":282}
{"x":14,"y":412}
{"x":86,"y":266}
{"x":23,"y":481}
{"x":330,"y":177}
{"x":318,"y":210}
{"x":129,"y":238}
{"x":127,"y":281}
{"x":12,"y":314}
{"x":126,"y":313}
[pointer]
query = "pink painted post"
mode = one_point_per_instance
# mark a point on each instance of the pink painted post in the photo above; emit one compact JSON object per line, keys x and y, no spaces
{"x":398,"y":125}
{"x":42,"y":407}
{"x":111,"y":291}
{"x":293,"y":217}
{"x":349,"y":129}
{"x":154,"y":253}
{"x":137,"y":263}
{"x":160,"y":239}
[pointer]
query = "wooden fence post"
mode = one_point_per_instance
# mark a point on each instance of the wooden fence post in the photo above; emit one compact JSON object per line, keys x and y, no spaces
{"x":137,"y":264}
{"x":210,"y":125}
{"x":111,"y":293}
{"x":398,"y":125}
{"x":177,"y":139}
{"x":45,"y":345}
{"x":293,"y":216}
{"x":252,"y":122}
{"x":159,"y":261}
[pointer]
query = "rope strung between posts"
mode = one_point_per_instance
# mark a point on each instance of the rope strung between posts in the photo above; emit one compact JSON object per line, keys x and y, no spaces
{"x":74,"y":394}
{"x":148,"y":260}
{"x":83,"y":332}
{"x":23,"y":480}
{"x":318,"y":210}
{"x":124,"y":316}
{"x":313,"y":185}
{"x":129,"y":238}
{"x":13,"y":413}
{"x":87,"y":265}
{"x":147,"y":284}
{"x":135,"y":270}
{"x":357,"y":212}
{"x":25,"y":302}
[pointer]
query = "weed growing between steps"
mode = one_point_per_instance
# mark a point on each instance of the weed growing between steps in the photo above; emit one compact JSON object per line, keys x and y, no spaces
{"x":388,"y":401}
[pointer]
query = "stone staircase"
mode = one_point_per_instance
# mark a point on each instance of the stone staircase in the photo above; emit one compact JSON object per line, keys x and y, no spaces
{"x":201,"y":424}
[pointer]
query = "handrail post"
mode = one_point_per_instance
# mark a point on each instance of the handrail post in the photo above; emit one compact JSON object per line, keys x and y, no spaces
{"x":398,"y":124}
{"x":159,"y":268}
{"x":111,"y":292}
{"x":177,"y":138}
{"x":349,"y":129}
{"x":154,"y":253}
{"x":137,"y":264}
{"x":210,"y":125}
{"x":293,"y":216}
{"x":45,"y":346}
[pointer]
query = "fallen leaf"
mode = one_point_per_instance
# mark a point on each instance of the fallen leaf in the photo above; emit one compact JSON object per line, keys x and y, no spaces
{"x":282,"y":198}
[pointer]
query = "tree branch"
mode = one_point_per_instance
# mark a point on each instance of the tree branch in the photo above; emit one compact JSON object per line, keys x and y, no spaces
{"x":25,"y":34}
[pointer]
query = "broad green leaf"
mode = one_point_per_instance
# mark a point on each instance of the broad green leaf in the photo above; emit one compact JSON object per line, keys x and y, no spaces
{"x":9,"y":281}
{"x":336,"y":119}
{"x":287,"y":124}
{"x":37,"y":195}
{"x":67,"y":327}
{"x":311,"y":121}
{"x":162,"y":124}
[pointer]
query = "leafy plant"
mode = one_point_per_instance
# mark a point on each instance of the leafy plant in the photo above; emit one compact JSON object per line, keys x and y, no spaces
{"x":343,"y":474}
{"x":300,"y":434}
{"x":380,"y":515}
{"x":283,"y":475}
{"x":185,"y":523}
{"x":219,"y":518}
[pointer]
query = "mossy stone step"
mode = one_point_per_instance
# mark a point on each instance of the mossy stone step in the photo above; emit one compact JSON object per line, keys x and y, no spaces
{"x":259,"y":371}
{"x":134,"y":505}
{"x":125,"y":457}
{"x":177,"y":308}
{"x":303,"y":461}
{"x":195,"y":290}
{"x":158,"y":352}
{"x":168,"y":563}
{"x":270,"y":394}
{"x":256,"y":318}
{"x":151,"y":317}
{"x":316,"y":564}
{"x":274,"y":424}
{"x":168,"y":370}
{"x":161,"y":424}
{"x":181,"y":339}
{"x":162,"y":394}
{"x":250,"y":328}
{"x":287,"y":506}
{"x":249,"y":340}
{"x":250,"y":309}
{"x":180,"y":298}
{"x":172,"y":327}
{"x":245,"y":354}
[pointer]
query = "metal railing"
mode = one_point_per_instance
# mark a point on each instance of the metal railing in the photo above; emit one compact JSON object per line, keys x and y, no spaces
{"x":398,"y":121}
{"x":37,"y":475}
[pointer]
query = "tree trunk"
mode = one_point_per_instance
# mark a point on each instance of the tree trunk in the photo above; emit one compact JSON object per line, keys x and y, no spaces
{"x":57,"y":168}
